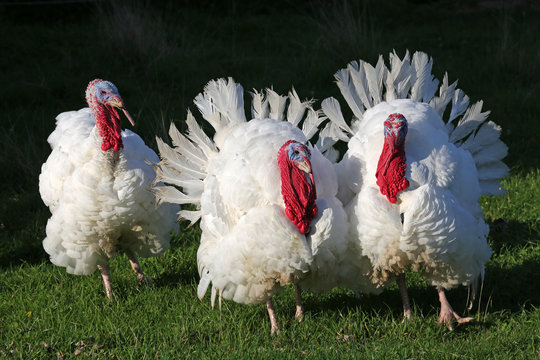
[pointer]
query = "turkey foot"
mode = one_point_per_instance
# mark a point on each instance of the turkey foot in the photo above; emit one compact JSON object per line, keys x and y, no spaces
{"x":447,"y":313}
{"x":105,"y":275}
{"x":402,"y":284}
{"x":137,"y":268}
{"x":272,"y":314}
{"x":299,"y":315}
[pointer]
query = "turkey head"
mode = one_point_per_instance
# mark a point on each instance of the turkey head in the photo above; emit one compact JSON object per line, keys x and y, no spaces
{"x":392,"y":164}
{"x":103,"y":98}
{"x":297,"y":184}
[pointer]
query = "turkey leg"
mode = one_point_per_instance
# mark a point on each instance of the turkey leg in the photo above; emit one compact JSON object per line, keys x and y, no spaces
{"x":136,"y":267}
{"x":299,"y":315}
{"x":272,"y":314}
{"x":402,"y":284}
{"x":106,"y":276}
{"x":447,"y":312}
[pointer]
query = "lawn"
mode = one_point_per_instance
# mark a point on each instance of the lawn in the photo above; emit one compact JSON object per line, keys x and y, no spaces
{"x":160,"y":56}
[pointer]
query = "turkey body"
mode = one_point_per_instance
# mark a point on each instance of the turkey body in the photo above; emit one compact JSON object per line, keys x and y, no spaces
{"x":248,"y":246}
{"x":436,"y":225}
{"x":251,"y":246}
{"x":101,"y":201}
{"x":413,"y":173}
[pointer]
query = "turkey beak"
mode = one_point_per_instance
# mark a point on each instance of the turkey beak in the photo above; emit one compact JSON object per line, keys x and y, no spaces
{"x":304,"y":165}
{"x":119,"y":104}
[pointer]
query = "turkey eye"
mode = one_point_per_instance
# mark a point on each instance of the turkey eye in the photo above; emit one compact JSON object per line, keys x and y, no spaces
{"x":296,"y":152}
{"x":103,"y":92}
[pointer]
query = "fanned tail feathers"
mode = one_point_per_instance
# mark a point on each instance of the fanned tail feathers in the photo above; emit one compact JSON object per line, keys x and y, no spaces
{"x":226,"y":97}
{"x":297,"y":108}
{"x":259,"y":105}
{"x":335,"y":130}
{"x":361,"y":85}
{"x":277,"y":104}
{"x":271,"y":105}
{"x":183,"y":166}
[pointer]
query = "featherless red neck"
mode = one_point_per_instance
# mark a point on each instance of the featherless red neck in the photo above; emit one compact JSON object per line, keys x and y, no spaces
{"x":392,"y":164}
{"x":103,"y":98}
{"x":108,"y":123}
{"x":297,"y":184}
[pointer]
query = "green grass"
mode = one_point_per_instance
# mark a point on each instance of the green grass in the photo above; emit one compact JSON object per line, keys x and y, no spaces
{"x":160,"y":57}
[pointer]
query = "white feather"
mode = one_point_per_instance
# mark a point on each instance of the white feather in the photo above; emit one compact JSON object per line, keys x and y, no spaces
{"x":346,"y":86}
{"x":249,"y":249}
{"x":437,"y":224}
{"x":296,"y":108}
{"x":259,"y":105}
{"x":100,"y":201}
{"x":277,"y":104}
{"x":332,"y":109}
{"x":312,"y":122}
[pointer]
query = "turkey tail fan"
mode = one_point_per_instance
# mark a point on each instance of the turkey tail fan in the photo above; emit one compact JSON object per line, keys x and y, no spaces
{"x":335,"y":130}
{"x":221,"y":104}
{"x":227,"y":97}
{"x":332,"y":109}
{"x":424,"y":85}
{"x":277,"y":104}
{"x":297,"y":108}
{"x":312,"y":121}
{"x":361,"y":85}
{"x":183,"y":166}
{"x":259,"y":105}
{"x":287,"y":108}
{"x":410,"y":78}
{"x":348,"y":89}
{"x":271,"y":105}
{"x":446,"y":94}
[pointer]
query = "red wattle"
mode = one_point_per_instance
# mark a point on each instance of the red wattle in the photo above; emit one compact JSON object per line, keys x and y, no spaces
{"x":299,"y":193}
{"x":391,"y":170}
{"x":108,"y":123}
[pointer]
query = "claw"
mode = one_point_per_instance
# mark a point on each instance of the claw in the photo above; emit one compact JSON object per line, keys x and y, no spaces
{"x":448,"y":314}
{"x":141,"y":278}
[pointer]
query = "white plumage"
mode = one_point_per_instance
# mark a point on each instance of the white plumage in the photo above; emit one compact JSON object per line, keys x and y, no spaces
{"x":436,"y":225}
{"x":101,"y":201}
{"x":249,"y":247}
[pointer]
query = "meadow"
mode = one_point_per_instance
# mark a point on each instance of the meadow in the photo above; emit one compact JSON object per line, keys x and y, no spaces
{"x":160,"y":55}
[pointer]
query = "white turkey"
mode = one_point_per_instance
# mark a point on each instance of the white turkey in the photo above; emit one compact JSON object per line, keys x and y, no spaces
{"x":266,"y":198}
{"x":413,"y":173}
{"x":97,"y":185}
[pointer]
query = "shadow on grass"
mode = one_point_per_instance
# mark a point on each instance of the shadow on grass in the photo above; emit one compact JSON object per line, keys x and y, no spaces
{"x":174,"y":279}
{"x":510,"y":289}
{"x":344,"y":301}
{"x":513,"y":287}
{"x":181,"y":267}
{"x":511,"y":235}
{"x":22,"y":228}
{"x":19,"y":252}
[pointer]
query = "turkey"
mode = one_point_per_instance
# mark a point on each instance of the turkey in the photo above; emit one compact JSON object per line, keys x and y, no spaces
{"x":265,"y":197}
{"x":413,"y":173}
{"x":97,"y":185}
